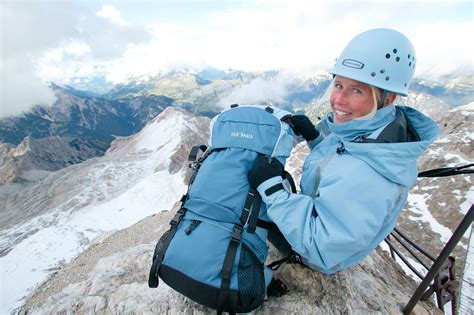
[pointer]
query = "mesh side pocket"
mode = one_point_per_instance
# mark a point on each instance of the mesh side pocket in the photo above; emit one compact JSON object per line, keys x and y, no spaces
{"x":251,"y":281}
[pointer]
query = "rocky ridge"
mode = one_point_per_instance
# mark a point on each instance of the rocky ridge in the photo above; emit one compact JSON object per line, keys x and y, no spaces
{"x":111,"y":278}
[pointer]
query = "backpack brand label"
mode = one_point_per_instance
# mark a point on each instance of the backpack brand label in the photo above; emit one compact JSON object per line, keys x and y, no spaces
{"x":241,"y":134}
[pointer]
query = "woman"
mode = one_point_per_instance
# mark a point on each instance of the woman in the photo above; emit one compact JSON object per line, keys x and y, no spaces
{"x":363,"y":160}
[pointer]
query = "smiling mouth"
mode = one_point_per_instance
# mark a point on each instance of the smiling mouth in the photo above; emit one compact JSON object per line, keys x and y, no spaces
{"x":341,"y":113}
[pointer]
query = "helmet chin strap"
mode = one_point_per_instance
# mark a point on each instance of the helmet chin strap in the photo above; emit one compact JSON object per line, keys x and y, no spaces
{"x":382,"y":100}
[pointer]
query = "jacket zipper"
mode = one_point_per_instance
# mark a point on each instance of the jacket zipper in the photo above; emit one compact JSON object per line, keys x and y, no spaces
{"x":341,"y":149}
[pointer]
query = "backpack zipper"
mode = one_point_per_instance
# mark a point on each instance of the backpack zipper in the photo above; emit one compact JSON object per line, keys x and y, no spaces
{"x":194,"y":224}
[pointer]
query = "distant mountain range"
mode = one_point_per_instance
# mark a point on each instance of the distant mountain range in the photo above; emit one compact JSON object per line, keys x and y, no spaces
{"x":455,"y":91}
{"x":78,"y":123}
{"x":87,"y":119}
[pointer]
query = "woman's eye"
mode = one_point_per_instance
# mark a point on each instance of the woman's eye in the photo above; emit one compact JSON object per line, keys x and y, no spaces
{"x":357,"y":91}
{"x":338,"y":86}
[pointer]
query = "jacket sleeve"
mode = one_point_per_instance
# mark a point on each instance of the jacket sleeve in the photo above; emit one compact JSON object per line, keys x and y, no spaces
{"x":339,"y":223}
{"x":313,"y":143}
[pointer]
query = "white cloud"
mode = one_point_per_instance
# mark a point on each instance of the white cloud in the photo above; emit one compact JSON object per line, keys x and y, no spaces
{"x":259,"y":91}
{"x":444,"y":48}
{"x":304,"y":34}
{"x":112,"y":14}
{"x":55,"y":41}
{"x":21,"y":89}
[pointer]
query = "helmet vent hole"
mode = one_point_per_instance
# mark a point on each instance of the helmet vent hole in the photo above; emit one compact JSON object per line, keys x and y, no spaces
{"x":387,"y":78}
{"x":409,"y":56}
{"x":409,"y":64}
{"x":397,"y":59}
{"x":383,"y":70}
{"x":395,"y":50}
{"x":405,"y":84}
{"x":387,"y":56}
{"x":373,"y":74}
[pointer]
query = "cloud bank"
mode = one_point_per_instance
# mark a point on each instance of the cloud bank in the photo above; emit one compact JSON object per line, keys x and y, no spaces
{"x":66,"y":41}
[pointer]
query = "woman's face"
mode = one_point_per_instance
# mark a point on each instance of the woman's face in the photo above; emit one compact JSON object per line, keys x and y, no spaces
{"x":350,"y":99}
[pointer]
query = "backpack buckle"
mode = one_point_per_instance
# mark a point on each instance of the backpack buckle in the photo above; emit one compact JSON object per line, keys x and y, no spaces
{"x":237,"y":234}
{"x":295,"y":259}
{"x":178,"y":216}
{"x":195,"y":166}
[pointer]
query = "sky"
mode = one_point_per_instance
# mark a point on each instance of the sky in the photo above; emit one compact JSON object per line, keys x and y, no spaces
{"x":66,"y":41}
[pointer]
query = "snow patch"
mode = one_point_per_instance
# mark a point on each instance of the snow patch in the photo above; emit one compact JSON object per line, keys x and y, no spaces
{"x":53,"y":246}
{"x":417,"y":204}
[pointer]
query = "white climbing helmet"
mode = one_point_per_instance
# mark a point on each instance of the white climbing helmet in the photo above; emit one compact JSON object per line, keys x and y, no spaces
{"x":380,"y":57}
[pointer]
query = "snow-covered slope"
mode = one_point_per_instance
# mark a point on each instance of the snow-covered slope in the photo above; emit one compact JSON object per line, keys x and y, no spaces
{"x":52,"y":221}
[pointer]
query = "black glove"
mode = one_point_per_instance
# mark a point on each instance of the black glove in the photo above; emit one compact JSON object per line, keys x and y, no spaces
{"x":264,"y":168}
{"x":304,"y":127}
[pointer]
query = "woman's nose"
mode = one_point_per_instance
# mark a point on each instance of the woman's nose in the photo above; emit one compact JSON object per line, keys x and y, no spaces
{"x":341,"y":96}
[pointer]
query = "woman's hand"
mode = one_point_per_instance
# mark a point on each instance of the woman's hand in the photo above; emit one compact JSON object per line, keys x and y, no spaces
{"x":265,"y":168}
{"x":304,"y":127}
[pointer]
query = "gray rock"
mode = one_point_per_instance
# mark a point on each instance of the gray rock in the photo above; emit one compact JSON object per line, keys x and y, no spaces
{"x":111,"y":278}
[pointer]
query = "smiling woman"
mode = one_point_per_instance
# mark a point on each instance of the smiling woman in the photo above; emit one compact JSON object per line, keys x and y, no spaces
{"x":363,"y":160}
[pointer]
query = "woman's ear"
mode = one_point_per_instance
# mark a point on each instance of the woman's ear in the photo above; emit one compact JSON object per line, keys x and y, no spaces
{"x":390,"y":98}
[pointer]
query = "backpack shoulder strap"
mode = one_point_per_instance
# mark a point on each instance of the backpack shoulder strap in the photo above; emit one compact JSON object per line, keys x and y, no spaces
{"x":195,"y":150}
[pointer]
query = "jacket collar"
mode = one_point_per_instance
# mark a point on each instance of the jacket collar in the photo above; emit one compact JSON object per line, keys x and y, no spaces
{"x":356,"y":128}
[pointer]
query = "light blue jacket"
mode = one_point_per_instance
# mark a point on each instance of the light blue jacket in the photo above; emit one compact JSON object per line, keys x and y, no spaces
{"x":351,"y":192}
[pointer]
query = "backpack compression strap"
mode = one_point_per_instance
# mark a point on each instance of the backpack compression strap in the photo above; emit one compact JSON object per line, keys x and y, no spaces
{"x":250,"y":213}
{"x":251,"y":210}
{"x":226,"y":297}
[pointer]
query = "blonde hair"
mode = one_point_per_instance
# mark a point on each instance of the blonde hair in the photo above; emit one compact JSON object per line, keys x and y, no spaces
{"x":375,"y":96}
{"x":376,"y":99}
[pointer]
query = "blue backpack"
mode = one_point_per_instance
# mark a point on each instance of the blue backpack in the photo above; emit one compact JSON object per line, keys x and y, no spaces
{"x":214,"y":252}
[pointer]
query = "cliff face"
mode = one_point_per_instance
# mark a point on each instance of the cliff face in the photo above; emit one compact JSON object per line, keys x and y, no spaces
{"x":111,"y":277}
{"x":31,"y":157}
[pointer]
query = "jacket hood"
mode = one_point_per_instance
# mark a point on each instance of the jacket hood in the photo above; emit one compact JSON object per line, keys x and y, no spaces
{"x":396,"y":161}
